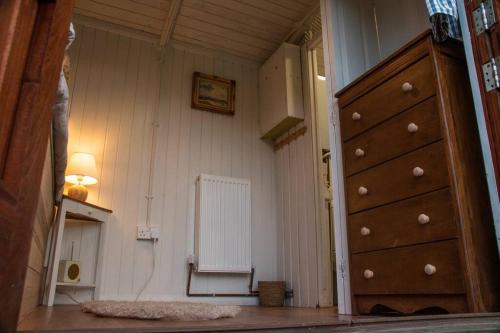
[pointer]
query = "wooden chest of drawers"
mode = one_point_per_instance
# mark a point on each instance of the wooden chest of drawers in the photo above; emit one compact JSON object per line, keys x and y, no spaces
{"x":420,"y":232}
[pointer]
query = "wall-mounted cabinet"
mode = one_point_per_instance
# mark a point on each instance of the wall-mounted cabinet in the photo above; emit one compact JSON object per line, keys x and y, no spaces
{"x":280,"y":92}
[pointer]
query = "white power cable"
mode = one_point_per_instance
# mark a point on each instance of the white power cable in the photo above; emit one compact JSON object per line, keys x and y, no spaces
{"x":149,"y":197}
{"x":150,"y":274}
{"x":69,"y":296}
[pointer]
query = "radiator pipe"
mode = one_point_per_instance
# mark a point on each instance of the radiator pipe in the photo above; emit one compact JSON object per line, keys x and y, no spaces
{"x":251,"y":292}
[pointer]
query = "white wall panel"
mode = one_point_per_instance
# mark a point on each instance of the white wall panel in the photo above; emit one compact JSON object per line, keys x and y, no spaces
{"x":368,"y":31}
{"x":297,"y":218}
{"x":114,"y":92}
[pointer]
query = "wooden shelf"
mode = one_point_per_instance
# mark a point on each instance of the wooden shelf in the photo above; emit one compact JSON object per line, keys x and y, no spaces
{"x":75,"y":285}
{"x":81,"y":217}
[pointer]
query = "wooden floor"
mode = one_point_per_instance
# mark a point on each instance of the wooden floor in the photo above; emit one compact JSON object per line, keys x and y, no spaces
{"x":252,"y":319}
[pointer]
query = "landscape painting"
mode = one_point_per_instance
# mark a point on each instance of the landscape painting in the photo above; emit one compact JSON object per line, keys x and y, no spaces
{"x":212,"y":93}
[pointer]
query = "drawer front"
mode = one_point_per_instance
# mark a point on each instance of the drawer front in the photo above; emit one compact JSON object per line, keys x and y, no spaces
{"x":92,"y":213}
{"x":426,"y":218}
{"x":396,"y":179}
{"x":388,"y":99}
{"x":406,"y":132}
{"x":409,"y":304}
{"x":432,"y":268}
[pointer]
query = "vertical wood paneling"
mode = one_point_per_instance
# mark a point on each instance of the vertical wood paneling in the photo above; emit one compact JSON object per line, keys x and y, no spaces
{"x":297,"y":218}
{"x":43,"y":219}
{"x":363,"y":41}
{"x":411,"y":16}
{"x":118,"y":82}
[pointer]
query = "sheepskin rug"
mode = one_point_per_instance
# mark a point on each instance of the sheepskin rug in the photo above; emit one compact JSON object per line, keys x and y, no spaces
{"x":160,"y":310}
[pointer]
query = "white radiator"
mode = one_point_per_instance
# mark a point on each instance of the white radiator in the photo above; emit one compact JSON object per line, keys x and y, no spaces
{"x":223,"y":231}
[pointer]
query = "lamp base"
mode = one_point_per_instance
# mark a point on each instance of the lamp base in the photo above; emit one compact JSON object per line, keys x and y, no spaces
{"x":78,"y":192}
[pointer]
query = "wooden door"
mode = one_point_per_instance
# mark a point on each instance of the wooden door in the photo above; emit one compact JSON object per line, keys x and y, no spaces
{"x":486,"y":45}
{"x":33,"y":35}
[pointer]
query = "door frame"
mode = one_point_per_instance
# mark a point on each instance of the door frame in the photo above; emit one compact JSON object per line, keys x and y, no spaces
{"x":337,"y":171}
{"x":43,"y":25}
{"x":481,"y":120}
{"x":325,"y":278}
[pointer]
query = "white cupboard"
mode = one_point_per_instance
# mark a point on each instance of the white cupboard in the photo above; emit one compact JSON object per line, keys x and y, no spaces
{"x":280,"y":92}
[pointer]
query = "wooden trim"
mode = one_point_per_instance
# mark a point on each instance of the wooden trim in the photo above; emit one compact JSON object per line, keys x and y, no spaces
{"x":291,"y":137}
{"x":481,"y":118}
{"x":168,"y":28}
{"x":297,"y":30}
{"x":28,"y":135}
{"x":485,"y":46}
{"x":114,"y":28}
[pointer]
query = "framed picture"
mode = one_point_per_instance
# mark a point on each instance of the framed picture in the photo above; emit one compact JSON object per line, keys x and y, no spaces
{"x":212,"y":93}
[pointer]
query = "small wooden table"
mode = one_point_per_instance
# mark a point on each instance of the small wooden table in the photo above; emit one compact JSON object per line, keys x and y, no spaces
{"x":80,"y":214}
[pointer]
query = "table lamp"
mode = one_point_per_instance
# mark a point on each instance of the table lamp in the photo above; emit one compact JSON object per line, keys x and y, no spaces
{"x":81,"y":171}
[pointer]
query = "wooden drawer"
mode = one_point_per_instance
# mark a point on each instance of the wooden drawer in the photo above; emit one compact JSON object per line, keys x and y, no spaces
{"x":426,"y":218}
{"x":395,"y":180}
{"x":405,"y":132}
{"x":92,"y":213}
{"x":77,"y":210}
{"x":411,"y":303}
{"x":388,"y":99}
{"x":402,"y":270}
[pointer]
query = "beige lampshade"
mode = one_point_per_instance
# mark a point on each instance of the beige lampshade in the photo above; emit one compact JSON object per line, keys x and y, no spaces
{"x":81,"y":169}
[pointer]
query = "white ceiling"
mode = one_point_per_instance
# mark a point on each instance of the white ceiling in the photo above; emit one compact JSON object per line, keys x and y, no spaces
{"x":252,"y":29}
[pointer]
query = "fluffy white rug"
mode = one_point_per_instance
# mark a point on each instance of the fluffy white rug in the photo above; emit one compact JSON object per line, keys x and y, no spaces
{"x":160,"y":310}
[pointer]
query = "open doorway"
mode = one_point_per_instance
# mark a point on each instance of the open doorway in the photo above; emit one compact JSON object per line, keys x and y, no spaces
{"x":324,"y":156}
{"x":315,"y":90}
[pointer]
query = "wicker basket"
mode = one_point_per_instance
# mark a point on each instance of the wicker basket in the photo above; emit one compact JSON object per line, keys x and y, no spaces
{"x":272,"y":293}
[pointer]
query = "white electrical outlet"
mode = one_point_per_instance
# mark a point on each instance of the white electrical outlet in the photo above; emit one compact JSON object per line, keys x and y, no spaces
{"x":155,"y":232}
{"x":143,"y":232}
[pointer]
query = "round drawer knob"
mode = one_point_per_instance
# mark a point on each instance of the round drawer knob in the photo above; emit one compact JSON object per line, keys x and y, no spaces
{"x":430,"y":269}
{"x":362,"y":190}
{"x":356,"y":116}
{"x":423,"y":219}
{"x":365,"y":231}
{"x":407,"y":87}
{"x":412,"y":127}
{"x":418,"y":171}
{"x":90,"y":212}
{"x":368,"y":274}
{"x":359,"y":152}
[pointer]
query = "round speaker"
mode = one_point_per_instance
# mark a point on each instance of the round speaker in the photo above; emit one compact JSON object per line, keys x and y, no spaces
{"x":73,"y":271}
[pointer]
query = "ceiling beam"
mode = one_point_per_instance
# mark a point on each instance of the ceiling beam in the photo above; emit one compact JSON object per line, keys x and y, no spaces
{"x":114,"y":28}
{"x":168,"y":27}
{"x":298,"y":28}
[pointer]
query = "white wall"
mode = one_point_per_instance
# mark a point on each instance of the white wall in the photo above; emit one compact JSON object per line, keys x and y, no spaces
{"x":301,"y":256}
{"x":398,"y":22}
{"x":368,"y":31}
{"x":297,"y":218}
{"x":114,"y":92}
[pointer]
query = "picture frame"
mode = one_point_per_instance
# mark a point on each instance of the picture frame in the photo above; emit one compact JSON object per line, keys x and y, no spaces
{"x":213,"y":93}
